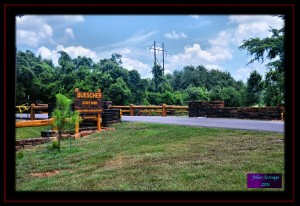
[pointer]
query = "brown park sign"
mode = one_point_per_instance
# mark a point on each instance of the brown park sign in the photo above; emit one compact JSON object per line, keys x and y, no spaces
{"x":88,"y":102}
{"x":89,"y":105}
{"x":88,"y":95}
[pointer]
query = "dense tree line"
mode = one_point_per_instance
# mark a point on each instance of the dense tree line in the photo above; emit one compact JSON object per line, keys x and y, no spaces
{"x":41,"y":80}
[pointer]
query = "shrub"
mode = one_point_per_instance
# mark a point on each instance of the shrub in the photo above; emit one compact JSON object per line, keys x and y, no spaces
{"x":20,"y":155}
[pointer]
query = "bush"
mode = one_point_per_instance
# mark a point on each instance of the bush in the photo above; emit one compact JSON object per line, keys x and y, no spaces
{"x":54,"y":145}
{"x":20,"y":155}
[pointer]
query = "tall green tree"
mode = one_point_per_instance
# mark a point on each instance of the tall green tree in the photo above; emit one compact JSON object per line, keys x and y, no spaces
{"x":119,"y":93}
{"x":157,"y":73}
{"x":272,"y":49}
{"x":254,"y":88}
{"x":196,"y":93}
{"x":230,"y":96}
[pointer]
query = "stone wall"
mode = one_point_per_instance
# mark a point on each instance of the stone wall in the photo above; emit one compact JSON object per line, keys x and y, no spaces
{"x":208,"y":109}
{"x":199,"y":109}
{"x":110,"y":116}
{"x":28,"y":143}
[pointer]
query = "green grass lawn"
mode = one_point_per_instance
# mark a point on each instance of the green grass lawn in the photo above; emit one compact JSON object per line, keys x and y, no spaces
{"x":152,"y":157}
{"x":30,"y":132}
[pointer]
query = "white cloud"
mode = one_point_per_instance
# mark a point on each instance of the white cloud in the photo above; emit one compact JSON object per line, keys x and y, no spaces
{"x":195,"y":16}
{"x":27,"y":38}
{"x":212,"y":55}
{"x":73,"y":51}
{"x":34,"y":38}
{"x":73,"y":18}
{"x":213,"y":67}
{"x":222,"y":40}
{"x":195,"y":55}
{"x":250,"y":26}
{"x":69,"y":32}
{"x":47,"y":54}
{"x":218,"y":51}
{"x":136,"y":39}
{"x":242,"y":74}
{"x":34,"y":30}
{"x":125,"y":51}
{"x":142,"y":68}
{"x":174,"y":35}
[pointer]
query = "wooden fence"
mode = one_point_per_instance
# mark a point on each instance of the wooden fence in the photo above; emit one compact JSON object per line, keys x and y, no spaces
{"x":149,"y":109}
{"x":35,"y":123}
{"x":32,"y":108}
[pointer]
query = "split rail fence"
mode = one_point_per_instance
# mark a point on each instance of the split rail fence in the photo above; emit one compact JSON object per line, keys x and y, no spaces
{"x":163,"y":109}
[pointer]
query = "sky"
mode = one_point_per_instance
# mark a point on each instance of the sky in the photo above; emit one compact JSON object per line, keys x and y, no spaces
{"x":209,"y":40}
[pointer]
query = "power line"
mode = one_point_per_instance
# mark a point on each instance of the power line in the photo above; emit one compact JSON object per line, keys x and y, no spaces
{"x":156,"y":61}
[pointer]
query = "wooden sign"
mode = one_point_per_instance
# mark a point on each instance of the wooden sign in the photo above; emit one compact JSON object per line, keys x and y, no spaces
{"x":90,"y":117}
{"x":88,"y":110}
{"x":87,"y":95}
{"x":88,"y":103}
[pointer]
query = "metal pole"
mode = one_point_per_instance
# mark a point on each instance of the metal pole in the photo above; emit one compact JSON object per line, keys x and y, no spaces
{"x":163,"y":51}
{"x":154,"y":54}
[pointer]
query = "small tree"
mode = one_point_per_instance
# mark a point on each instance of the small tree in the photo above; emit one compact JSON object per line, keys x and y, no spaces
{"x":64,"y":118}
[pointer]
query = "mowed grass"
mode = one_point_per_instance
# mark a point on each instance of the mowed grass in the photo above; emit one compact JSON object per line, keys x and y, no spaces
{"x":30,"y":132}
{"x":152,"y":157}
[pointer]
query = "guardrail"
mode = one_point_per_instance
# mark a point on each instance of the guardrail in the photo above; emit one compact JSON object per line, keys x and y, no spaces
{"x":149,"y":109}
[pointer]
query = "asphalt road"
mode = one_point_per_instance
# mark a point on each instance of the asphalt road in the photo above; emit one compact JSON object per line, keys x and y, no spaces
{"x":257,"y":125}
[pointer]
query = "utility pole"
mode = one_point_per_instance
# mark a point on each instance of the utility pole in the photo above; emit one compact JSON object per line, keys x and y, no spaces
{"x":156,"y":61}
{"x":154,"y":54}
{"x":163,"y":60}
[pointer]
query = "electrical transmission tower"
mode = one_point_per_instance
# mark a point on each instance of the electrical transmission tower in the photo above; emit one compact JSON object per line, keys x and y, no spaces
{"x":156,"y":60}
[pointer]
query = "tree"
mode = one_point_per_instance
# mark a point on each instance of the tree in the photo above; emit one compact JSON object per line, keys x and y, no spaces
{"x":196,"y":93}
{"x":117,"y":58}
{"x":157,"y":73}
{"x":64,"y":118}
{"x":119,"y":93}
{"x":254,"y":88}
{"x":230,"y":96}
{"x":271,"y":48}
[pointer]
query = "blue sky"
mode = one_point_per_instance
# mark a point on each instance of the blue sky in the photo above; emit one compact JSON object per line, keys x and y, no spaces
{"x":208,"y":40}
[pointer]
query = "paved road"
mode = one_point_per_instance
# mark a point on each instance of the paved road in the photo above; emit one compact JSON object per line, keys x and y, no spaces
{"x":258,"y":125}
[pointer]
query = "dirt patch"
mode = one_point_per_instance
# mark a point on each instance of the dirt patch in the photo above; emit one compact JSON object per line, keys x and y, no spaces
{"x":45,"y":174}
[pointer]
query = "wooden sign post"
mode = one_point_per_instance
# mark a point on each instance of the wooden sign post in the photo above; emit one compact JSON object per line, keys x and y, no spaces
{"x":89,"y":105}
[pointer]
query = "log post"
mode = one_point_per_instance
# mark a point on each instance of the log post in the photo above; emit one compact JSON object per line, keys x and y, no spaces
{"x":32,"y":112}
{"x":77,"y":128}
{"x":99,"y":120}
{"x":131,"y":110}
{"x":121,"y":113}
{"x":164,"y":111}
